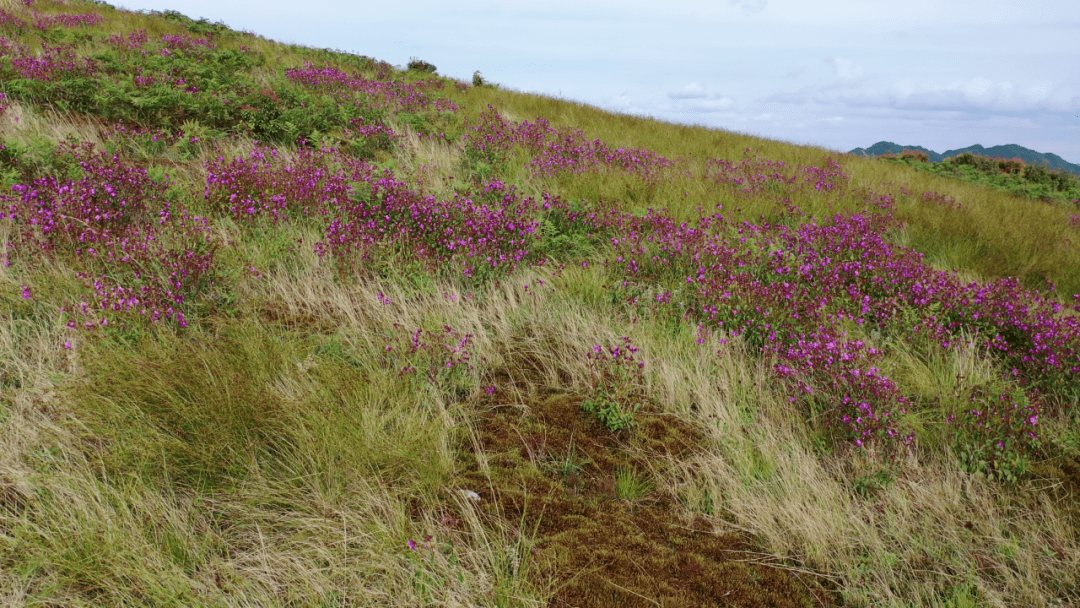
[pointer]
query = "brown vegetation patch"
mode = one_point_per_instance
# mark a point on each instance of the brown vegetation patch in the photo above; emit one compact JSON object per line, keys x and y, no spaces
{"x":1063,"y":477}
{"x":555,"y":472}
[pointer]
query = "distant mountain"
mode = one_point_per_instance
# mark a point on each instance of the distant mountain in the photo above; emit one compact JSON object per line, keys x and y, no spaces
{"x":1052,"y":161}
{"x":887,"y":147}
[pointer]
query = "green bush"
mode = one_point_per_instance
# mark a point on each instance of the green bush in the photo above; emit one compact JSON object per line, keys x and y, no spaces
{"x":418,"y":65}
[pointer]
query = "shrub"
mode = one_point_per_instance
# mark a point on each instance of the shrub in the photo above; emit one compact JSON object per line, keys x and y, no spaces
{"x":916,"y":155}
{"x":419,"y":65}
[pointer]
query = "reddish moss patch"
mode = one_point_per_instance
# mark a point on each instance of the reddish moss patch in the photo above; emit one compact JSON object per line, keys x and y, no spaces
{"x":553,"y":472}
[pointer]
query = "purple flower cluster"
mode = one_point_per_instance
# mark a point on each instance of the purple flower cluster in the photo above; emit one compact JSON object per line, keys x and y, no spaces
{"x":941,"y":200}
{"x":186,"y":43}
{"x":139,"y":257}
{"x":432,"y":354}
{"x":133,"y":41}
{"x":265,"y":184}
{"x":482,"y":236}
{"x":370,"y":130}
{"x":50,"y":64}
{"x":43,"y":22}
{"x":48,"y":22}
{"x":368,"y":211}
{"x":792,"y":292}
{"x":8,"y":21}
{"x":756,"y":175}
{"x":839,"y":375}
{"x":558,"y":150}
{"x":879,"y":200}
{"x":397,"y":95}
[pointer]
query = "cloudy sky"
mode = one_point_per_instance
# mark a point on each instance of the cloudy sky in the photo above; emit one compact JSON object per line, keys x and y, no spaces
{"x":839,"y":74}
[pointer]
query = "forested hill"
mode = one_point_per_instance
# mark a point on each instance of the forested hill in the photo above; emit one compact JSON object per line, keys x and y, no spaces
{"x":1051,"y":161}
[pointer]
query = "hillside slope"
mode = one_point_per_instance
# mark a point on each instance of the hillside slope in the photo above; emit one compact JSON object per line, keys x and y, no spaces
{"x":286,"y":326}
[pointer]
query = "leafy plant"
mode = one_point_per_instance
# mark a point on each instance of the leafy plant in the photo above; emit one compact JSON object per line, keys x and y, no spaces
{"x":620,"y":381}
{"x":996,"y":435}
{"x":428,"y":575}
{"x":871,"y":483}
{"x":608,"y":411}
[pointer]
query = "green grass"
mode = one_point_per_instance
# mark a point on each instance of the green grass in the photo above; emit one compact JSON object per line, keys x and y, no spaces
{"x":286,"y":447}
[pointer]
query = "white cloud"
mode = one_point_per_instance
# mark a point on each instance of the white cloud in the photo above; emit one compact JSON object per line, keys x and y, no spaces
{"x":690,"y":91}
{"x":845,"y":69}
{"x":706,"y":106}
{"x":749,"y":6}
{"x":795,"y":71}
{"x":696,"y":99}
{"x":970,"y":94}
{"x":851,"y":89}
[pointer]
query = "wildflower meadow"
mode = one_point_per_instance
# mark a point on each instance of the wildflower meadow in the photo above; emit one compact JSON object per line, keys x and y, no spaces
{"x":291,"y":326}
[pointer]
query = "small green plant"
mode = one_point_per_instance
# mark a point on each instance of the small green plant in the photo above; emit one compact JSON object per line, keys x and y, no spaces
{"x":426,"y":578}
{"x":870,"y":484}
{"x":961,"y":596}
{"x":609,"y":413}
{"x":620,"y":380}
{"x":571,"y":469}
{"x":572,"y":466}
{"x":630,"y":486}
{"x":995,"y":435}
{"x":993,"y":461}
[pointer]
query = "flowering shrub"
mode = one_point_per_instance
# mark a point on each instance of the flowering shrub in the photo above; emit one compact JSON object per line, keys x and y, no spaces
{"x":941,"y":200}
{"x":916,"y":155}
{"x":791,"y":292}
{"x":265,"y":184}
{"x":1009,"y":175}
{"x":481,"y":237}
{"x":757,"y":175}
{"x":555,"y":150}
{"x":133,"y":41}
{"x":43,"y":23}
{"x":367,"y":137}
{"x":369,"y":213}
{"x":52,"y":64}
{"x":346,"y":86}
{"x":166,"y":81}
{"x":838,"y":375}
{"x":186,"y":43}
{"x":139,"y":257}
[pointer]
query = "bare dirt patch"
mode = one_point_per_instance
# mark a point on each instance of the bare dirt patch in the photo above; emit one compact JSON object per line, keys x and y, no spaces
{"x":603,"y":530}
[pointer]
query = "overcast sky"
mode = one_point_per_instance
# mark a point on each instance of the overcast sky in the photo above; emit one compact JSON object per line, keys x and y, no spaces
{"x":839,"y":74}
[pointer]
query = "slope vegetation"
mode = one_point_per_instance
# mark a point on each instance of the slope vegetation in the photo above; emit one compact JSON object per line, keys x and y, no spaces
{"x":285,"y":326}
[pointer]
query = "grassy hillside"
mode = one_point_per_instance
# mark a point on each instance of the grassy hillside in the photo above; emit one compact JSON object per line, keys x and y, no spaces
{"x":284,"y":326}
